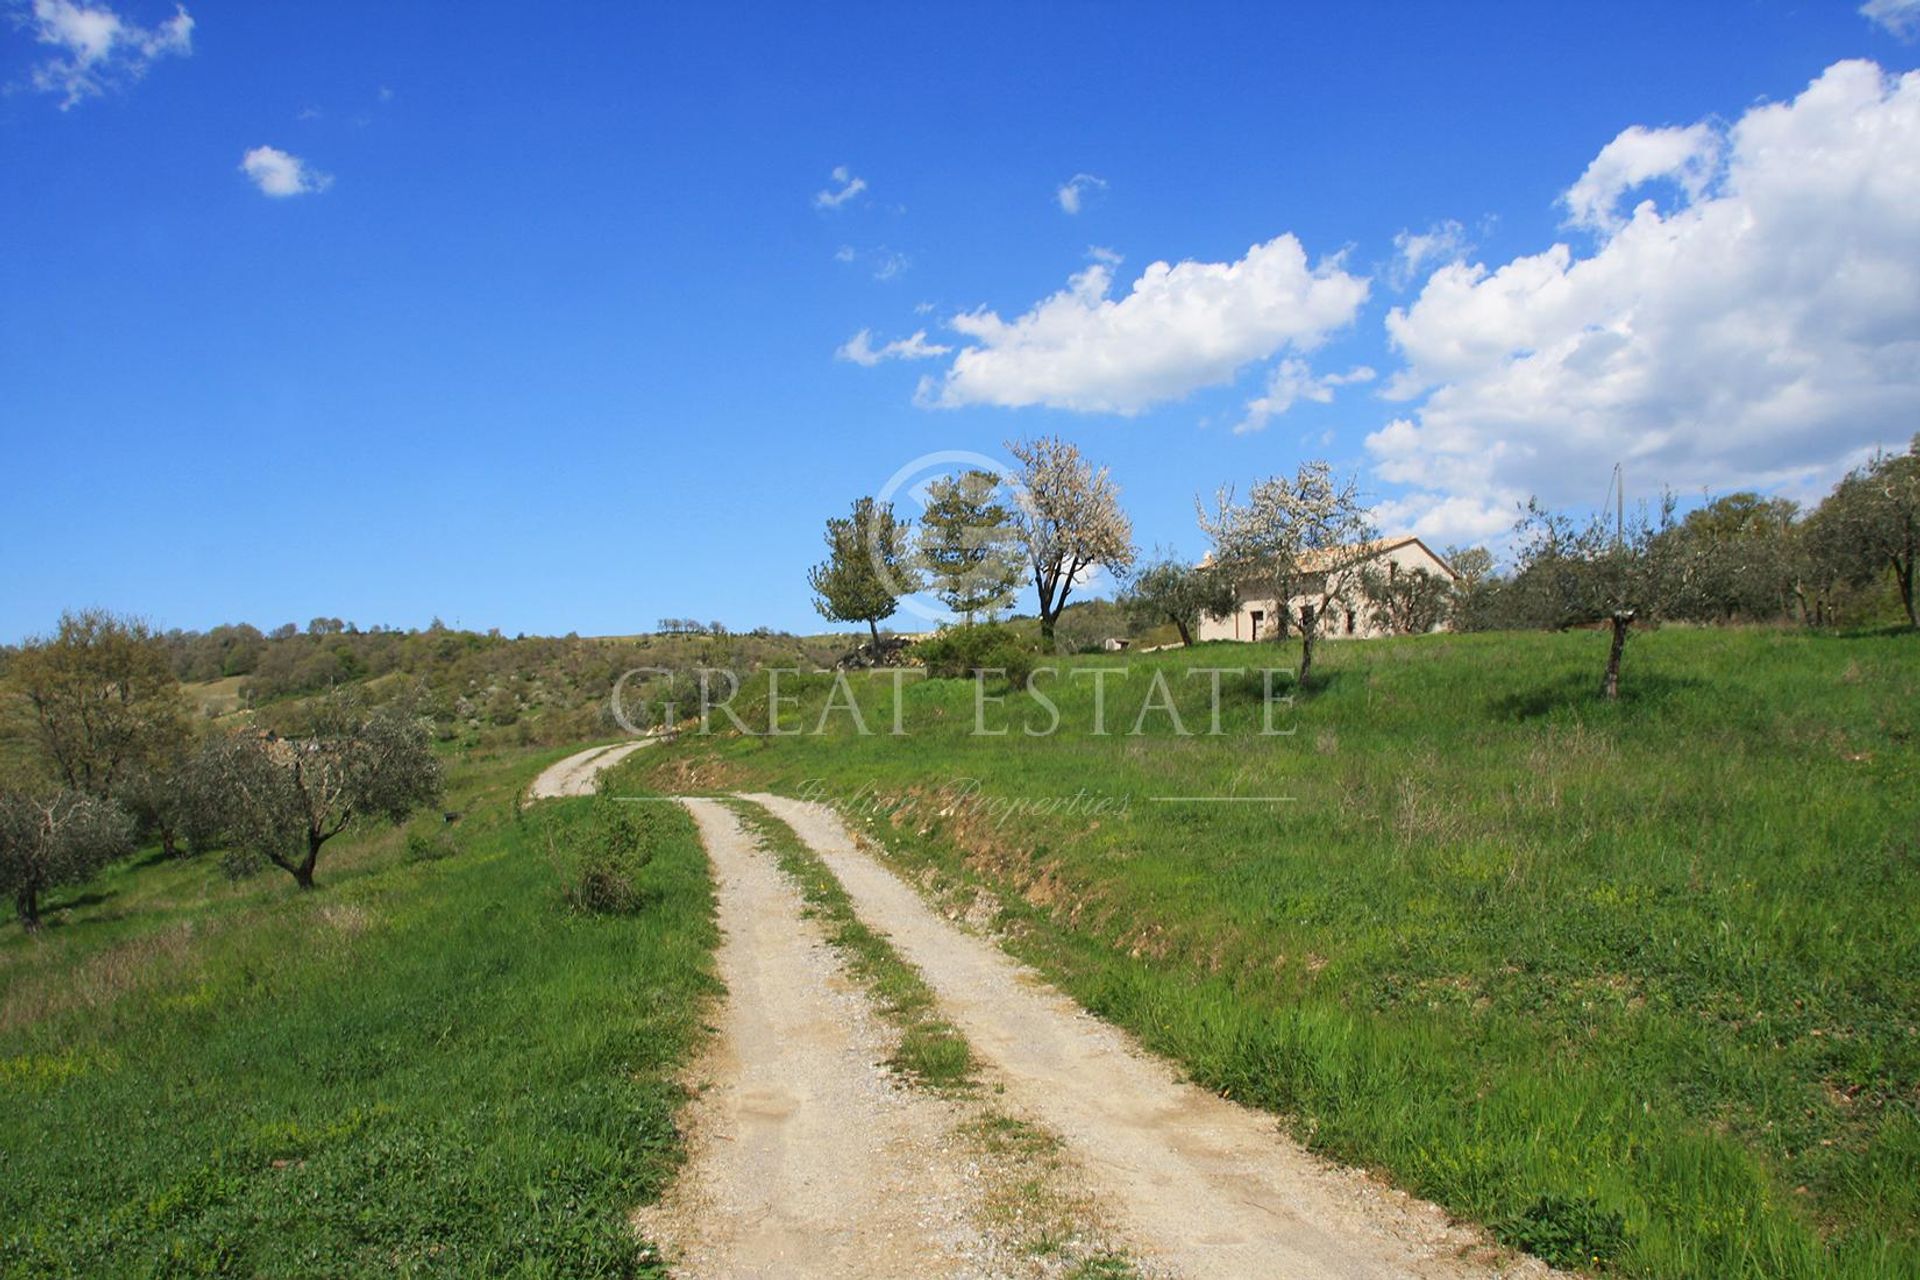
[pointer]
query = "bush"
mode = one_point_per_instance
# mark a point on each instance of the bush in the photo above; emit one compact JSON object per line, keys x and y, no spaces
{"x":606,"y":853}
{"x":422,"y":847}
{"x":959,"y":652}
{"x":1566,"y":1232}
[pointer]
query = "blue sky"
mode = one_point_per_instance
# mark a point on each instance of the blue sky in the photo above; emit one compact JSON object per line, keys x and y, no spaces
{"x":549,"y":320}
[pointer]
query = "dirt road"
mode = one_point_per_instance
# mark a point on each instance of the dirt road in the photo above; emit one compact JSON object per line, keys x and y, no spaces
{"x":1200,"y":1186}
{"x":575,"y":775}
{"x":806,"y":1158}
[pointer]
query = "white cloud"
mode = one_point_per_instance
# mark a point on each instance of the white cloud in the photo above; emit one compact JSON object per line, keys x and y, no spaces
{"x":1291,"y":381}
{"x":884,"y":263}
{"x":97,"y":49}
{"x":1901,"y":17}
{"x":850,"y":187}
{"x":278,"y":174}
{"x":1442,"y":242}
{"x":1100,"y":253}
{"x":860,"y":349}
{"x":1689,"y":157}
{"x":1757,"y":335}
{"x":1180,"y":328}
{"x":1073,"y":192}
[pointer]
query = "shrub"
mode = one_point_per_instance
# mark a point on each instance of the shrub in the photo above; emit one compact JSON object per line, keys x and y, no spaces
{"x":422,"y":847}
{"x":606,"y":853}
{"x":1566,"y":1232}
{"x":959,"y":652}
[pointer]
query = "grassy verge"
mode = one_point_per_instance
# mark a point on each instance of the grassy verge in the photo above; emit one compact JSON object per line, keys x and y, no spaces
{"x":1634,"y":982}
{"x":432,"y":1065}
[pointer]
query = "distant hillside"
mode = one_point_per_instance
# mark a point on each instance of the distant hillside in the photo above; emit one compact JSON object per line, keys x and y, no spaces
{"x":529,"y":689}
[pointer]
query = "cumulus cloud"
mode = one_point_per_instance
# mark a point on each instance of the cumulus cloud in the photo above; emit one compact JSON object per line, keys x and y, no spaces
{"x":1689,"y":157}
{"x":1073,"y":192}
{"x":1760,"y":332}
{"x":849,"y":185}
{"x":1181,"y":327}
{"x":1413,"y":251}
{"x":860,"y":350}
{"x":96,"y":49}
{"x":278,"y":174}
{"x":1291,"y":381}
{"x":1901,"y":17}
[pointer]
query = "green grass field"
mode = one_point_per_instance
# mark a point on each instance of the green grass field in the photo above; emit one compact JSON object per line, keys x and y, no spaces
{"x":1637,"y":983}
{"x":429,"y":1066}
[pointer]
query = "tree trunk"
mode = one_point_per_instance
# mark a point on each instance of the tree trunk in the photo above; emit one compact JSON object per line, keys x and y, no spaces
{"x":1306,"y":656}
{"x":26,"y":903}
{"x":1046,"y":629}
{"x":1186,"y":636}
{"x":874,"y":627}
{"x":303,"y":874}
{"x":168,"y":845}
{"x":1610,"y":684}
{"x":1904,"y":575}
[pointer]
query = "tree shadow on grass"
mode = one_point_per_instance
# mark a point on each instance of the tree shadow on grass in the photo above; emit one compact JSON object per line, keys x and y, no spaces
{"x":91,"y":898}
{"x":1582,"y":691}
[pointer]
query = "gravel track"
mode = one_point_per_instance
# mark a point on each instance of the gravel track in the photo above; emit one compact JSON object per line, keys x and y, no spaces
{"x":1197,"y":1186}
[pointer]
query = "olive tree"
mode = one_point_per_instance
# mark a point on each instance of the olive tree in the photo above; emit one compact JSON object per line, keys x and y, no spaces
{"x":1873,"y":523}
{"x":869,"y":566}
{"x":1575,"y":573}
{"x":51,"y":840}
{"x":103,"y":699}
{"x":1171,"y":590}
{"x":1070,"y":522}
{"x":279,"y":799}
{"x":1409,"y":603}
{"x":1305,"y":535}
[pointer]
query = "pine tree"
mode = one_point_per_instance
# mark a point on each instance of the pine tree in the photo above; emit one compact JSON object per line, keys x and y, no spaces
{"x":968,"y":544}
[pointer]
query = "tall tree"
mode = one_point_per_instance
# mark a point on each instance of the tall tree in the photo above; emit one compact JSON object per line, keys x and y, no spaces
{"x":1171,"y":590}
{"x":62,"y":838}
{"x":1070,"y":522}
{"x":1303,"y":537}
{"x":968,"y":545}
{"x":103,"y":696}
{"x":869,"y":566}
{"x":1874,"y":521}
{"x":1574,"y":574}
{"x":279,"y":800}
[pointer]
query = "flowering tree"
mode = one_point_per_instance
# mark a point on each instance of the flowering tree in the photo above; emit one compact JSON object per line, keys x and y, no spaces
{"x":1070,"y":522}
{"x":1304,"y":535}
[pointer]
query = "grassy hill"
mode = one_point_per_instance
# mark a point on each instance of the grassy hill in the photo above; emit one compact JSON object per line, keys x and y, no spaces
{"x":433,"y":1065}
{"x":1635,"y":982}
